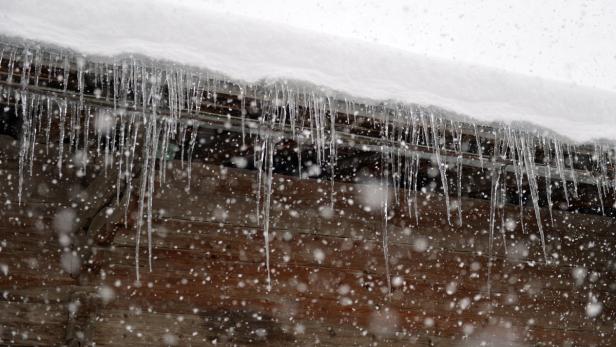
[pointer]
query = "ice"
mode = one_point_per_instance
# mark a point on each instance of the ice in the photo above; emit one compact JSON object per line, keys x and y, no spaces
{"x":560,"y":166}
{"x":385,"y":206}
{"x":494,"y":188}
{"x":548,"y":178}
{"x":153,"y":108}
{"x":529,"y":163}
{"x":264,"y":161}
{"x":442,"y":167}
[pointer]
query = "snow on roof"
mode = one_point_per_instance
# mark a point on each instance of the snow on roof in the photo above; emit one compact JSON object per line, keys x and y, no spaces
{"x":251,"y":50}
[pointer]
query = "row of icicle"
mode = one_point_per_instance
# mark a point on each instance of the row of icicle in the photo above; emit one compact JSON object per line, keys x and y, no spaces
{"x":156,"y":106}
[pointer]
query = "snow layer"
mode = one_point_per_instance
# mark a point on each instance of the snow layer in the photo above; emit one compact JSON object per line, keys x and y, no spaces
{"x":251,"y":50}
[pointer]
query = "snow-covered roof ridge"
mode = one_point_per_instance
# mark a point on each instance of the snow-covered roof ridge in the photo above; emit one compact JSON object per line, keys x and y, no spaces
{"x":250,"y":50}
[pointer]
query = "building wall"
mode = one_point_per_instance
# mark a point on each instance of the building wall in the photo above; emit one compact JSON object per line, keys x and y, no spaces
{"x":208,"y":283}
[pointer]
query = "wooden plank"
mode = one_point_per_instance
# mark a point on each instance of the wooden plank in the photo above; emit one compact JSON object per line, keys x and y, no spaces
{"x":29,"y":324}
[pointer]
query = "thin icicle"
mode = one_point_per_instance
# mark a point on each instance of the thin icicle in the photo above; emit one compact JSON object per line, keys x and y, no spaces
{"x":548,"y":177}
{"x":333,"y":157}
{"x":442,"y":167}
{"x":156,"y":132}
{"x":495,"y":173}
{"x":479,"y":147}
{"x":132,"y":125}
{"x":385,"y":204}
{"x":243,"y":113}
{"x":191,"y":148}
{"x":561,"y":168}
{"x":148,"y":128}
{"x":269,"y":166}
{"x":571,"y":159}
{"x":259,"y":162}
{"x":62,"y":112}
{"x":502,"y":202}
{"x":458,"y":148}
{"x":24,"y":144}
{"x":600,"y":194}
{"x":532,"y":181}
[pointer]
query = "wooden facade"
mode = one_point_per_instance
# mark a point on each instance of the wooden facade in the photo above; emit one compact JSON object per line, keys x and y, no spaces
{"x":67,"y":252}
{"x":207,"y":284}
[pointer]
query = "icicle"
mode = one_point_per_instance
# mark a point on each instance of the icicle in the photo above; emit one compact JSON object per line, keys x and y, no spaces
{"x":162,"y":153}
{"x":299,"y":159}
{"x":65,"y":73}
{"x":495,"y":172}
{"x":269,"y":165}
{"x":479,"y":148}
{"x":38,"y":64}
{"x":191,"y":147}
{"x":503,"y":201}
{"x":109,"y":127}
{"x":385,"y":204}
{"x":243,"y":115}
{"x":333,"y":157}
{"x":33,"y":130}
{"x":548,"y":177}
{"x":442,"y":167}
{"x":532,"y":181}
{"x":385,"y":164}
{"x":142,"y":191}
{"x":458,"y":145}
{"x":24,"y":144}
{"x":518,"y":164}
{"x":415,"y":179}
{"x":48,"y":128}
{"x":25,"y":69}
{"x":182,"y":141}
{"x":71,"y":127}
{"x":570,"y":155}
{"x":62,"y":113}
{"x":600,"y":194}
{"x":11,"y":67}
{"x":561,"y":168}
{"x":259,"y":162}
{"x":81,"y":62}
{"x":86,"y":139}
{"x":129,"y":166}
{"x":120,"y":159}
{"x":156,"y":132}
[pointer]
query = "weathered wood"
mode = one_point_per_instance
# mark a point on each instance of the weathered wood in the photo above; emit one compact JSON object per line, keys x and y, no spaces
{"x":31,"y":324}
{"x":208,"y":257}
{"x":83,"y":310}
{"x":208,"y":287}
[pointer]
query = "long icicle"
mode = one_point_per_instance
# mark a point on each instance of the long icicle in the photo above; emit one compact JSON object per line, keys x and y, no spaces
{"x":495,"y":172}
{"x":442,"y":167}
{"x":144,"y":181}
{"x":532,"y":181}
{"x":269,"y":165}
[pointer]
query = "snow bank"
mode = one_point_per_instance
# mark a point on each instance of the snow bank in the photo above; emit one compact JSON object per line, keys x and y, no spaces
{"x":250,"y":50}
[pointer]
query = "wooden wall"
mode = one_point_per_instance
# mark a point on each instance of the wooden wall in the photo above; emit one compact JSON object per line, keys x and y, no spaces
{"x":208,"y":282}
